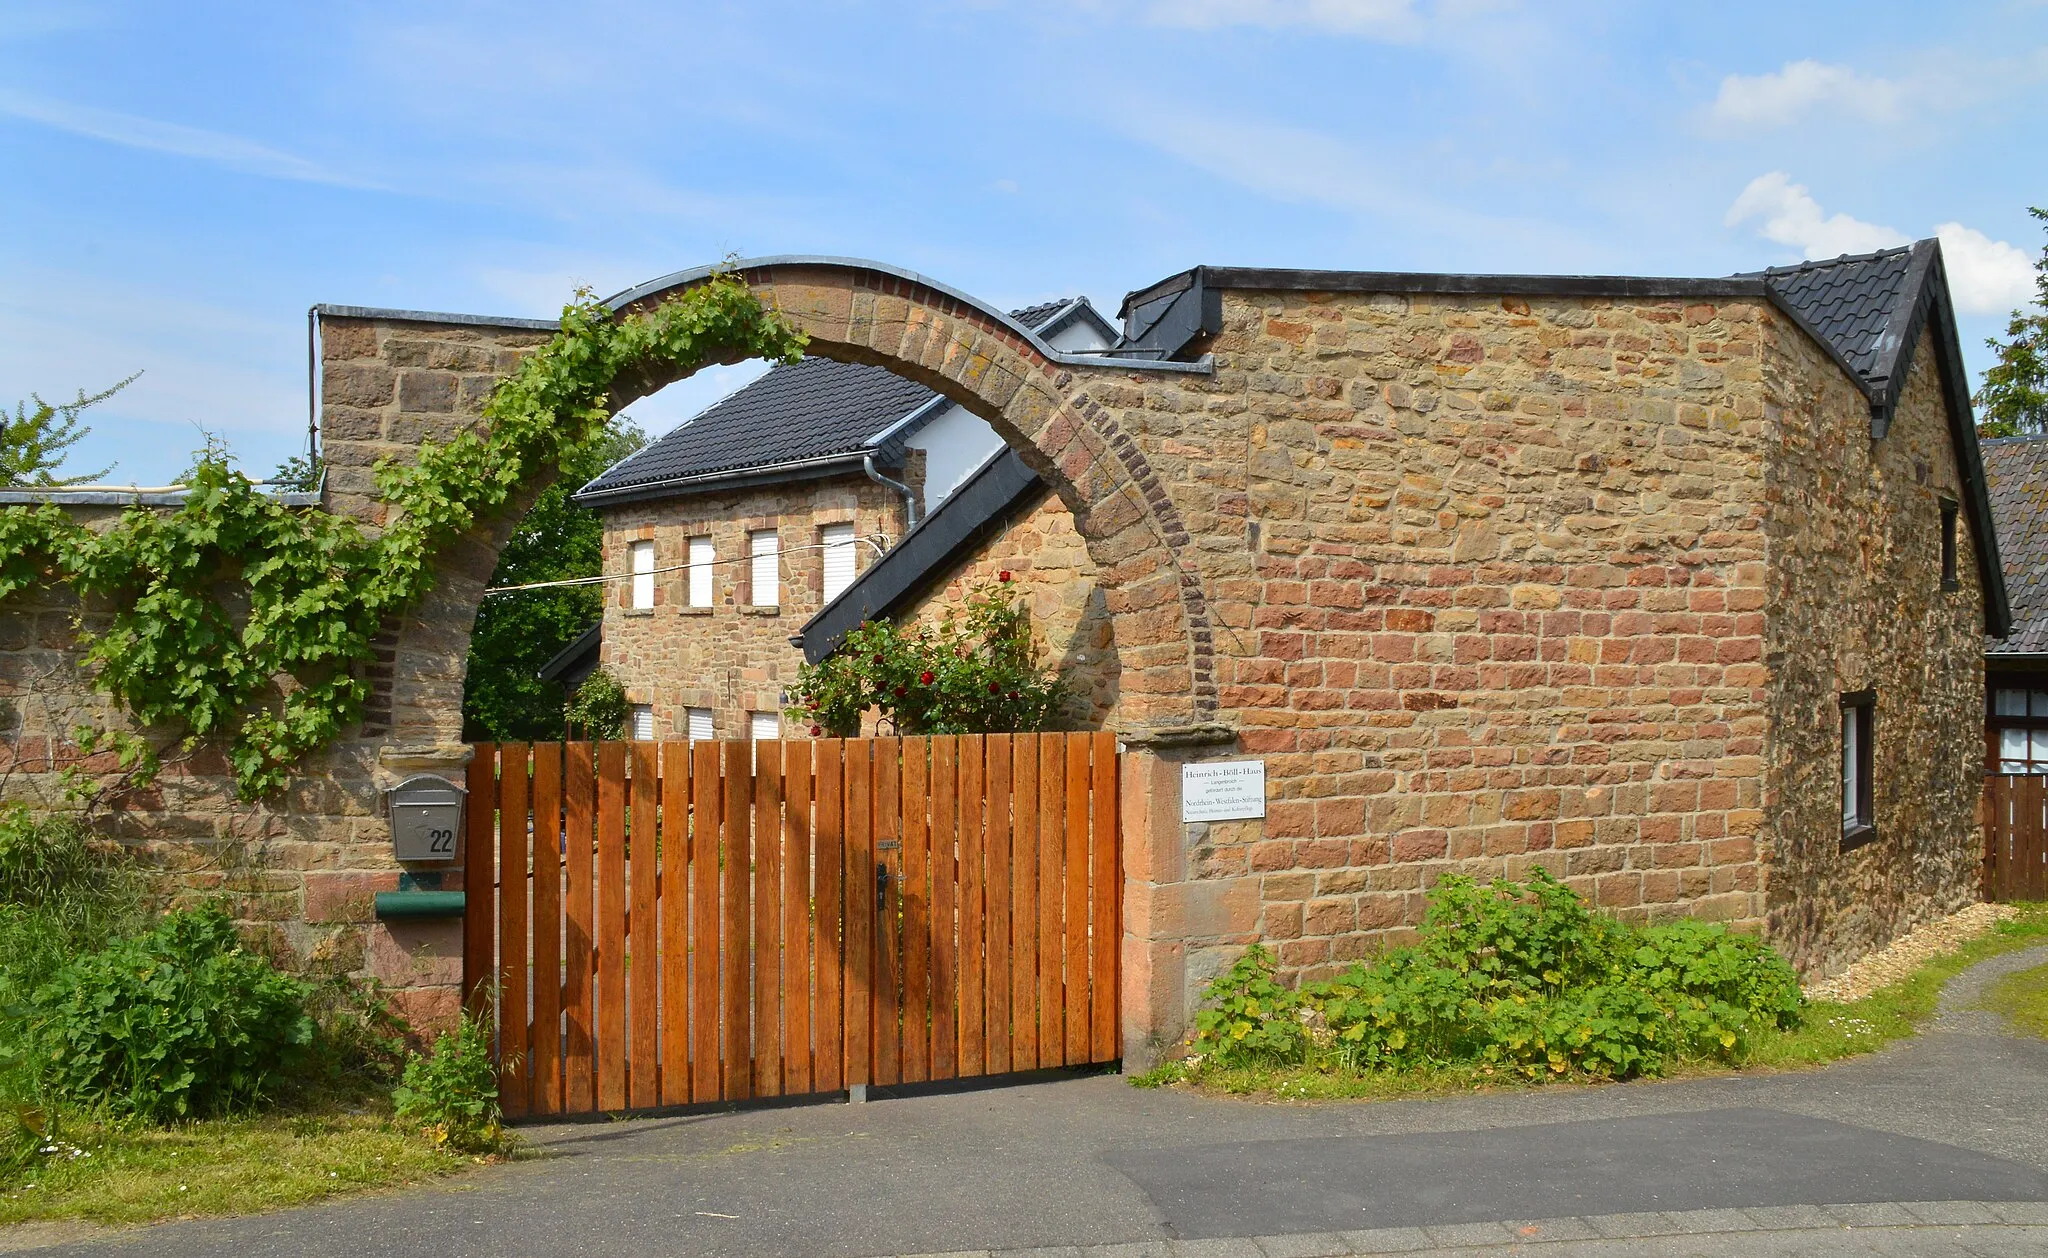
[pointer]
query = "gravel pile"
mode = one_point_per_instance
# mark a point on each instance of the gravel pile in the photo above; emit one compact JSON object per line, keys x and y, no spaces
{"x":1909,"y":952}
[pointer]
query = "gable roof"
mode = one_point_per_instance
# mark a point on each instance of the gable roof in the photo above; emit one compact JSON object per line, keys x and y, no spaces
{"x":2017,"y":469}
{"x":813,"y":416}
{"x":1866,"y":311}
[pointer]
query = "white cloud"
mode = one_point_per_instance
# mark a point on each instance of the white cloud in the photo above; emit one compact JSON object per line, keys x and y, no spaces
{"x":128,"y":130}
{"x":1351,"y":17}
{"x":1785,"y":212}
{"x":1985,"y":276}
{"x":1786,"y":95}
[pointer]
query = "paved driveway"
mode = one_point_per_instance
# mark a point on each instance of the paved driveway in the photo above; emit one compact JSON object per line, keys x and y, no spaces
{"x":1958,"y":1115}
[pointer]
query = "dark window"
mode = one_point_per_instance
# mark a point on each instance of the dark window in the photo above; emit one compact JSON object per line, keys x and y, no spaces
{"x":1858,"y":729}
{"x":2019,"y":725}
{"x":1948,"y":546}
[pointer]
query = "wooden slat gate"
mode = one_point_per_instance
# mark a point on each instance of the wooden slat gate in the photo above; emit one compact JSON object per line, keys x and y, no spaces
{"x":673,"y":923}
{"x":2015,"y":837}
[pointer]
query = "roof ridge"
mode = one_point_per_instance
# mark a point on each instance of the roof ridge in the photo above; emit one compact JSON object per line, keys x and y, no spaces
{"x":1839,"y":259}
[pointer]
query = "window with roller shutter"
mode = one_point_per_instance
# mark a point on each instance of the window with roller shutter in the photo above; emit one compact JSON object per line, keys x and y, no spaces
{"x":765,"y":547}
{"x":839,"y":552}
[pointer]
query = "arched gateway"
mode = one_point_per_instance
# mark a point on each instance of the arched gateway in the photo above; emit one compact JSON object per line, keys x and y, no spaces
{"x":1057,"y":410}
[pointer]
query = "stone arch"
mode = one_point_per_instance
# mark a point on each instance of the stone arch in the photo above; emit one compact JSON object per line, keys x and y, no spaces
{"x":1044,"y":403}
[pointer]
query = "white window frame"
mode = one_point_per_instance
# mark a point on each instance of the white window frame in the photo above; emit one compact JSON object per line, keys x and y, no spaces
{"x":842,"y":559}
{"x":641,"y":560}
{"x":764,"y":550}
{"x":1859,"y":768}
{"x":702,"y":556}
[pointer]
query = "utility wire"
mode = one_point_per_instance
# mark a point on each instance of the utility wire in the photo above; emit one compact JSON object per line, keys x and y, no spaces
{"x":627,"y":576}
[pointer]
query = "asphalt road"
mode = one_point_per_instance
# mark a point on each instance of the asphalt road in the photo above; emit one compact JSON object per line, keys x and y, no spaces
{"x":1959,"y":1114}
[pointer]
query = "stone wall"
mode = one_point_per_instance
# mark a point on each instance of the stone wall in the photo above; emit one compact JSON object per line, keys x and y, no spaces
{"x":1488,"y":577}
{"x":734,"y":656}
{"x":1856,"y":603}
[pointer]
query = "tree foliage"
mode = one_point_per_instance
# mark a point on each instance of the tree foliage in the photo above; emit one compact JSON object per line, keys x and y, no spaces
{"x":35,"y":439}
{"x":2014,"y":399}
{"x":239,"y":618}
{"x":504,"y":699}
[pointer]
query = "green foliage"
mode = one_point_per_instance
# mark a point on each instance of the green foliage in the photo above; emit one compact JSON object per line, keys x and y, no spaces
{"x":2014,"y":399}
{"x":973,"y":672}
{"x":1520,"y":978}
{"x":240,"y":619}
{"x":598,"y":709}
{"x":451,"y":1093}
{"x":177,"y":1022}
{"x":34,"y":441}
{"x":61,"y":894}
{"x":504,"y":699}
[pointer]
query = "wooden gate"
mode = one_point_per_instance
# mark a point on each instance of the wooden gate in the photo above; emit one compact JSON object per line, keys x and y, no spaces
{"x":2016,"y":837}
{"x":674,"y":923}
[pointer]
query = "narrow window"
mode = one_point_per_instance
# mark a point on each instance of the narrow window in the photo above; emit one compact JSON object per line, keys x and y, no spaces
{"x":839,"y":558}
{"x":643,"y":574}
{"x":764,"y":725}
{"x":1858,"y":815}
{"x":1948,"y":546}
{"x":765,"y":546}
{"x":700,"y":571}
{"x":700,"y":725}
{"x":643,"y":721}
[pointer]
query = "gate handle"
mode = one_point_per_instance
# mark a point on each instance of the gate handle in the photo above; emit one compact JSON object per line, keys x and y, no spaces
{"x":881,"y":887}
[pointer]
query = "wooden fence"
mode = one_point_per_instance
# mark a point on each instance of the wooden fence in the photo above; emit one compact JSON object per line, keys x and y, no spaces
{"x":673,"y":923}
{"x":2015,"y":813}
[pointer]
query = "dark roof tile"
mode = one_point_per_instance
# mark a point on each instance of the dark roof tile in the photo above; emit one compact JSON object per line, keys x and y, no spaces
{"x":1852,"y":303}
{"x":2016,"y":470}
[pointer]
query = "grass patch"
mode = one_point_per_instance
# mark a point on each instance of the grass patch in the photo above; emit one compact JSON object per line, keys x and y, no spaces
{"x":1827,"y":1032}
{"x":126,"y":1174}
{"x":2023,"y":999}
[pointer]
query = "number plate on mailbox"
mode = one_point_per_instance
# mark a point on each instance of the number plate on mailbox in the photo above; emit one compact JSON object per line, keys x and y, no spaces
{"x":426,"y":818}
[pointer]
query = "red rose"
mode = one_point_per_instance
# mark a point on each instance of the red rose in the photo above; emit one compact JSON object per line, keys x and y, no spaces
{"x":817,"y":730}
{"x":925,"y":678}
{"x":899,"y":692}
{"x":878,"y":659}
{"x":1004,"y":575}
{"x":994,"y":689}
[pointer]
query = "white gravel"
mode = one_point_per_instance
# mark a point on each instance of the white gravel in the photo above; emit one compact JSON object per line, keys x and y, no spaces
{"x":1909,"y":952}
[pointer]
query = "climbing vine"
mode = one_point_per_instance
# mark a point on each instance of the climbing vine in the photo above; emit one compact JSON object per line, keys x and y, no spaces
{"x":241,"y":619}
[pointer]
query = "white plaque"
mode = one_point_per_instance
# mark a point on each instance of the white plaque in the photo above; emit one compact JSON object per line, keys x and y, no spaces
{"x":1223,"y":791}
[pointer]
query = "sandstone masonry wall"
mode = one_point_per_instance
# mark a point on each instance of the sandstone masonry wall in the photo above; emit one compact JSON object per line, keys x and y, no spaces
{"x":1856,"y":603}
{"x":1489,"y":577}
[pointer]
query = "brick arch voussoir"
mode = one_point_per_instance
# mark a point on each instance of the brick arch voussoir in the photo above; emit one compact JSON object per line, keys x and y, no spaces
{"x":1133,"y":530}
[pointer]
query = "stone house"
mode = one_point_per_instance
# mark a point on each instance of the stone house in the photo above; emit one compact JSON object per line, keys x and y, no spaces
{"x":2016,"y":667}
{"x":732,"y":530}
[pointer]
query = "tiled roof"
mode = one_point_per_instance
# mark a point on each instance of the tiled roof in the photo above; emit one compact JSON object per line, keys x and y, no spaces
{"x":808,"y":409}
{"x":1853,"y":304}
{"x":2017,"y":471}
{"x":814,"y":408}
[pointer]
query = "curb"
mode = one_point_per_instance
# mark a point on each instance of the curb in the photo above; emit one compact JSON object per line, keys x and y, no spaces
{"x":1527,"y":1233}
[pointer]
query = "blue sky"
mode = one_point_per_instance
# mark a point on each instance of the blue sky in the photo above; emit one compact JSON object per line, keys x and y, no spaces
{"x":185,"y":180}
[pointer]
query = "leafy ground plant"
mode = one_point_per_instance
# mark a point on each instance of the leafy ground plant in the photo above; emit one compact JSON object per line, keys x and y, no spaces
{"x":176,"y":1022}
{"x":451,"y":1093}
{"x":1824,"y":1032}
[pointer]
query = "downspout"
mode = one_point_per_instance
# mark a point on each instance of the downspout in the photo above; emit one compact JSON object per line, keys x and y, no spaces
{"x":910,"y":513}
